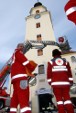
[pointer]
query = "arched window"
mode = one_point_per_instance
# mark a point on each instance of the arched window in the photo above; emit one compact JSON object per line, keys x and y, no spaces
{"x":41,"y":69}
{"x":37,"y":11}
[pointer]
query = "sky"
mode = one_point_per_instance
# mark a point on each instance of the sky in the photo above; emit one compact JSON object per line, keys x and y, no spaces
{"x":13,"y":24}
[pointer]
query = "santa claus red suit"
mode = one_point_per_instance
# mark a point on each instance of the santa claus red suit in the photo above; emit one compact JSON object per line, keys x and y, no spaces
{"x":20,"y":82}
{"x":60,"y":78}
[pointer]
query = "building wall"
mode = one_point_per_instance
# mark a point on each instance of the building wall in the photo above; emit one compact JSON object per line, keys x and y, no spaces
{"x":47,"y":33}
{"x":73,"y":69}
{"x":72,"y":64}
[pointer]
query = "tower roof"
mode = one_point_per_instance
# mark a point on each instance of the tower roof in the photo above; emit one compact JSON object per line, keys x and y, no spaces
{"x":37,"y":4}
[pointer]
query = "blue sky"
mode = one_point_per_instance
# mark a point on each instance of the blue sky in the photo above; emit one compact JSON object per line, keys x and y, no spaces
{"x":13,"y":24}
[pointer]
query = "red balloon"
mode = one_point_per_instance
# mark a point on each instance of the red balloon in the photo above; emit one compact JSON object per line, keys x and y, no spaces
{"x":70,"y":10}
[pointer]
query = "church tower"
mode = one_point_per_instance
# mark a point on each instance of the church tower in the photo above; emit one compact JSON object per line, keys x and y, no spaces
{"x":39,"y":28}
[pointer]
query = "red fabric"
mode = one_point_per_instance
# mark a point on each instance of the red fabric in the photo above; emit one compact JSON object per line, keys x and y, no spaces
{"x":4,"y":92}
{"x":59,"y":72}
{"x":71,"y":3}
{"x":18,"y":71}
{"x":59,"y":76}
{"x":62,"y":94}
{"x":20,"y":96}
{"x":72,"y":16}
{"x":17,"y":66}
{"x":4,"y":70}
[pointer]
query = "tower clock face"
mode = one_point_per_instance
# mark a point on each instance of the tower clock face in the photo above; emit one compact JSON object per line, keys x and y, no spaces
{"x":37,"y":16}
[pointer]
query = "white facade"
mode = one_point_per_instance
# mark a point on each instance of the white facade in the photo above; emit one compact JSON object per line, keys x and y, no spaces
{"x":69,"y":57}
{"x":45,"y":29}
{"x":47,"y":34}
